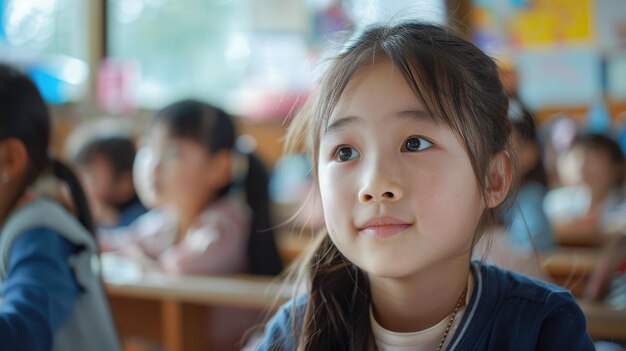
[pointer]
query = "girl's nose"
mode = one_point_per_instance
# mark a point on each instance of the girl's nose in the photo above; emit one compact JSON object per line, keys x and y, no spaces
{"x":386,"y":196}
{"x":381,"y":186}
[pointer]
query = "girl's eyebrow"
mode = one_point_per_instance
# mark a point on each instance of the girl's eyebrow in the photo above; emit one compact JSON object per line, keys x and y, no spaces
{"x":416,"y":114}
{"x":341,"y":123}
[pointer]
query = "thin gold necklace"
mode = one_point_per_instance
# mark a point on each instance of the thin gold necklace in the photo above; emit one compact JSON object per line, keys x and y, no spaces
{"x":459,"y":303}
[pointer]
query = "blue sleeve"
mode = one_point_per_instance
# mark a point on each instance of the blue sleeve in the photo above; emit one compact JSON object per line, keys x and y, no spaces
{"x":529,"y":221}
{"x":129,"y":213}
{"x":39,"y":291}
{"x":565,"y":329}
{"x":277,"y":335}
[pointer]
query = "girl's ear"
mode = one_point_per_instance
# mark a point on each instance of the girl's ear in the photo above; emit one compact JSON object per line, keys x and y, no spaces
{"x":499,"y":178}
{"x":220,"y":173}
{"x":13,"y":160}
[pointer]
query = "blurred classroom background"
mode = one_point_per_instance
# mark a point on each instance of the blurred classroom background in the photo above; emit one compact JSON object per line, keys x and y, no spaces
{"x":106,"y":66}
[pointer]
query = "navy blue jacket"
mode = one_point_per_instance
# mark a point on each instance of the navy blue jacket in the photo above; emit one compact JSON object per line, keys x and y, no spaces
{"x":507,"y":311}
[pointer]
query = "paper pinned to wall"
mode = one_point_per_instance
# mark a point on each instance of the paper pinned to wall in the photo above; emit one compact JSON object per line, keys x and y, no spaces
{"x":559,"y":77}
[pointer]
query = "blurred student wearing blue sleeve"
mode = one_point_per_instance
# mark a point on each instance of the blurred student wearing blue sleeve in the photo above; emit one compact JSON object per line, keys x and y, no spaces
{"x":51,"y":296}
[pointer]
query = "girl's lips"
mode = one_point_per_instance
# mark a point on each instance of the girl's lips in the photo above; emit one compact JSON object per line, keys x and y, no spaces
{"x":383,"y":231}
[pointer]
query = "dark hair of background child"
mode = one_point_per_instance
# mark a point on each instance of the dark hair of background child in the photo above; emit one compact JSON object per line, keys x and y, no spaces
{"x":24,"y":116}
{"x":215,"y":130}
{"x":118,"y":151}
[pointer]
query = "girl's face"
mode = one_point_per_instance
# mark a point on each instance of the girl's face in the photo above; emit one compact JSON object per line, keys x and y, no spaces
{"x":182,"y":169}
{"x":98,"y":180}
{"x":398,"y":190}
{"x":598,"y":171}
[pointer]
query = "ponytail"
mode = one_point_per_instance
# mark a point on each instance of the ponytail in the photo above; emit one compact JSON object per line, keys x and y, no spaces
{"x":65,"y":174}
{"x":337,"y":309}
{"x":262,"y":251}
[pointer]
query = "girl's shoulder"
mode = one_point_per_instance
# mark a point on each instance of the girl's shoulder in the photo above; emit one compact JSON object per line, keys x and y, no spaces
{"x":521,"y":311}
{"x":227,"y":210}
{"x":43,"y":213}
{"x":155,"y":221}
{"x":278,"y":334}
{"x":508,"y":285}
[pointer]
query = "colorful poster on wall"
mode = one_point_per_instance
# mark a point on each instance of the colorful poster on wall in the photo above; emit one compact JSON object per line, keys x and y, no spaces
{"x":549,"y":22}
{"x":504,"y":25}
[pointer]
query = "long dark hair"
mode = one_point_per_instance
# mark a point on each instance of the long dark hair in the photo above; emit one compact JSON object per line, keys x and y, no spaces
{"x":526,"y":129}
{"x":24,"y":116}
{"x":459,"y":85}
{"x":214,"y":129}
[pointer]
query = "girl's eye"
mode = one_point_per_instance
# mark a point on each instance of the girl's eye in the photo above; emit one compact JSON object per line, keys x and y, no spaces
{"x":415,"y":144}
{"x":346,"y":153}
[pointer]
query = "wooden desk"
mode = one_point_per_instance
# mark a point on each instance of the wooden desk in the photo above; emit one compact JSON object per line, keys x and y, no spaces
{"x":171,"y":310}
{"x":238,"y":291}
{"x":570,"y":267}
{"x":589,"y":240}
{"x":604,"y":323}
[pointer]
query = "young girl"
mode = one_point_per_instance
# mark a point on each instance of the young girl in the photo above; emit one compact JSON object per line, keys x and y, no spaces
{"x":51,"y":295}
{"x":204,"y":225}
{"x":410,"y":141}
{"x":596,"y":205}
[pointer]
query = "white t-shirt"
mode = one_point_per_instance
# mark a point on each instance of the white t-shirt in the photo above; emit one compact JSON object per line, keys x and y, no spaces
{"x":423,"y":340}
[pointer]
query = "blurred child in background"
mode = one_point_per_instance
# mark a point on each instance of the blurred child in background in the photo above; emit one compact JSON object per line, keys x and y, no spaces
{"x":51,"y":297}
{"x":105,"y":166}
{"x":593,"y":206}
{"x":204,"y":225}
{"x":212,"y":214}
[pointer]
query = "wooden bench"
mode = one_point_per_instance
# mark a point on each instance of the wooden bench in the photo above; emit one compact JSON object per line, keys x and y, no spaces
{"x":171,"y":311}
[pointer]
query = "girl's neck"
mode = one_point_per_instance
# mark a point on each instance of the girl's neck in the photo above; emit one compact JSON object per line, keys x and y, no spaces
{"x":421,"y":301}
{"x":188,"y":216}
{"x":186,"y":220}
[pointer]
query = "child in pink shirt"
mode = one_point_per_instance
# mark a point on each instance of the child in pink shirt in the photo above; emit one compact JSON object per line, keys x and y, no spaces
{"x":205,"y":222}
